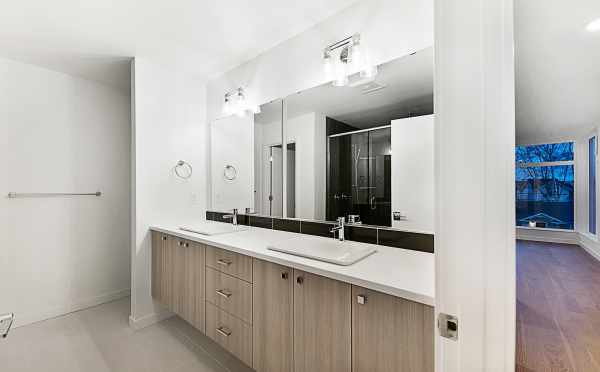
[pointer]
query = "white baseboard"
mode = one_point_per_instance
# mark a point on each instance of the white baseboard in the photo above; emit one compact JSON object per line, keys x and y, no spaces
{"x":148,"y":320}
{"x":38,"y":316}
{"x":592,"y":246}
{"x":548,"y":236}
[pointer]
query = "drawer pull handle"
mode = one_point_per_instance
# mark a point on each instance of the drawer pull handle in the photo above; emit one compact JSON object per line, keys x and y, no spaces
{"x":223,"y":293}
{"x":300,"y":280}
{"x":284,"y":275}
{"x":223,"y":262}
{"x":224,"y":331}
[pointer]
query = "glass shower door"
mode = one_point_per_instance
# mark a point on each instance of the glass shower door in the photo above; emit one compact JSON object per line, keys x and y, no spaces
{"x":380,"y":178}
{"x":360,"y":176}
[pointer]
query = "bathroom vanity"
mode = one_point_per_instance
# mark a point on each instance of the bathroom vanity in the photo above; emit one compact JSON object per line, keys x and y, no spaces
{"x":274,"y":291}
{"x":277,"y":312}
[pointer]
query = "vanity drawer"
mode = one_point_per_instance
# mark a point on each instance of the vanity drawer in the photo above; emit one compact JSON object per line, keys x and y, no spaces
{"x":230,"y":263}
{"x":229,"y":293}
{"x":230,"y":332}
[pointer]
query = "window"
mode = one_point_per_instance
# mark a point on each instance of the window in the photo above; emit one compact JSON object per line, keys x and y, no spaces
{"x":592,"y":185}
{"x":545,"y":185}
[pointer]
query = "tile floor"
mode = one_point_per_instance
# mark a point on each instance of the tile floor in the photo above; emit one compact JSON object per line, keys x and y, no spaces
{"x":99,"y":339}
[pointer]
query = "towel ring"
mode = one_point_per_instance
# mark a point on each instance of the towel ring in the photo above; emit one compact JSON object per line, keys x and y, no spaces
{"x":230,"y":173}
{"x":183,"y":169}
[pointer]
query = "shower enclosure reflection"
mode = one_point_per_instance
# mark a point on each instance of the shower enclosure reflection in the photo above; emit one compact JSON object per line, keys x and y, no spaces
{"x":359,"y":175}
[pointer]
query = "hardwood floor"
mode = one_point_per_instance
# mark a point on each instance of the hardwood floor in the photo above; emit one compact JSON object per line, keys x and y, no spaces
{"x":558,"y":308}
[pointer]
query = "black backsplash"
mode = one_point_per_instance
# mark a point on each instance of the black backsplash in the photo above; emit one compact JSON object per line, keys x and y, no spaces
{"x":364,"y":234}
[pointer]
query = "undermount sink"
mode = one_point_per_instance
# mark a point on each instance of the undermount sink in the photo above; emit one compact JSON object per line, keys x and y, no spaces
{"x":213,"y":228}
{"x":343,"y":253}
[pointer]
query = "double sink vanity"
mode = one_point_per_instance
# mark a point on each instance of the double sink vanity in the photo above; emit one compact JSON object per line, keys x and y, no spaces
{"x":274,"y":288}
{"x":279,"y":312}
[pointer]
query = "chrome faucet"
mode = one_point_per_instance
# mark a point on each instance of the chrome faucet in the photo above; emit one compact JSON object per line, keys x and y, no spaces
{"x":233,"y":217}
{"x":341,"y":221}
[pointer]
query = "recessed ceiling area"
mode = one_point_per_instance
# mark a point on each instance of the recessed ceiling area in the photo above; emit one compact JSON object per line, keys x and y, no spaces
{"x":402,"y":88}
{"x":557,"y":69}
{"x":96,"y":39}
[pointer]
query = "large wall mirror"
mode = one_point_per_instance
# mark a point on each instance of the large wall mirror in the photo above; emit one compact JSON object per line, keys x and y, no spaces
{"x":364,"y":149}
{"x":268,"y":161}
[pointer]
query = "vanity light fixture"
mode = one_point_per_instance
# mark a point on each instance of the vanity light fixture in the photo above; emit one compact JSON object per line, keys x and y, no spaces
{"x":347,"y":57}
{"x":594,"y":26}
{"x":237,"y":103}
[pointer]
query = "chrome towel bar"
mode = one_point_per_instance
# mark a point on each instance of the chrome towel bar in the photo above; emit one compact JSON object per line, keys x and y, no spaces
{"x":13,"y":195}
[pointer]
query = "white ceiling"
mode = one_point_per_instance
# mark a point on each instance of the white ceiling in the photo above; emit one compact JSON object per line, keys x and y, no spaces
{"x":408,"y":89}
{"x":95,"y":39}
{"x":557,"y":69}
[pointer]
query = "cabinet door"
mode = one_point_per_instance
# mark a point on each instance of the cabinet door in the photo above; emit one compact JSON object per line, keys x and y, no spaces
{"x":322,"y":324}
{"x":273,"y":317}
{"x":189,"y":274}
{"x":390,"y":334}
{"x":162,"y":270}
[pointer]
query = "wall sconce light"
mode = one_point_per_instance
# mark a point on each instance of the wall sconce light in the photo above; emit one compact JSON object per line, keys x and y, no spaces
{"x":347,"y":57}
{"x":236,"y":103}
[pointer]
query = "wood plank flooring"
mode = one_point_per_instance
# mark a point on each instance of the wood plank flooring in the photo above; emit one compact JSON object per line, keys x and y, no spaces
{"x":558,"y":308}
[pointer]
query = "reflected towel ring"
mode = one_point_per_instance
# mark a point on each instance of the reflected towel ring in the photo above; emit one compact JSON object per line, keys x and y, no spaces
{"x":180,"y":169}
{"x":230,"y":173}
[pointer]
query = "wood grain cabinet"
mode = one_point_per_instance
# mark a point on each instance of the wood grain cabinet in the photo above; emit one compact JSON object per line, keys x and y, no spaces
{"x":273,"y":309}
{"x":390,"y":334}
{"x":278,"y":319}
{"x":230,"y":294}
{"x":178,"y":271}
{"x":322,"y":324}
{"x":162,"y":268}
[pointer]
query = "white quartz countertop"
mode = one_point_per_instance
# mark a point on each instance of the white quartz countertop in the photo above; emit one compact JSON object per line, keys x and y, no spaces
{"x":395,"y":271}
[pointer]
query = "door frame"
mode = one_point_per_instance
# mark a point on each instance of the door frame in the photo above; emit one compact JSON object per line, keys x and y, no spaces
{"x":475,"y":195}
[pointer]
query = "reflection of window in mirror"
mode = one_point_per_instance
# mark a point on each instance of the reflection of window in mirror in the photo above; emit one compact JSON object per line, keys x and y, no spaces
{"x":342,"y":140}
{"x":268,"y":161}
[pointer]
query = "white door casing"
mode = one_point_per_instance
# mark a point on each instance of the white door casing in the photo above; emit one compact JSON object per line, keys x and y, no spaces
{"x":475,"y":203}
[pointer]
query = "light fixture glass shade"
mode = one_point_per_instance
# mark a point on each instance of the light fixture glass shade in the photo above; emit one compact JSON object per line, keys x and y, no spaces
{"x":328,"y":66}
{"x":357,"y":57}
{"x":594,"y":26}
{"x":341,"y":74}
{"x":226,"y":108}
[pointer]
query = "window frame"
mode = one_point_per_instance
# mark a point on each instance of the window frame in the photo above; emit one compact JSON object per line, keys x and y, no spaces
{"x":594,"y":134}
{"x":573,"y":163}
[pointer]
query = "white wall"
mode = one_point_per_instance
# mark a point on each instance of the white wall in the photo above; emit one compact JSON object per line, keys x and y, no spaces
{"x":265,"y":135}
{"x":413,"y":173}
{"x":234,"y":145}
{"x":389,"y":28}
{"x":308,"y":131}
{"x":60,"y":133}
{"x":169,"y":125}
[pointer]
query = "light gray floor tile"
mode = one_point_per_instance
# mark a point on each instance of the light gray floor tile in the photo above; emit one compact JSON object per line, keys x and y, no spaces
{"x":99,"y":339}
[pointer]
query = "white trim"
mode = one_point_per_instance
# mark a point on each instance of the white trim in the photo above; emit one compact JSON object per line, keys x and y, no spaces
{"x":148,"y":320}
{"x":549,"y":235}
{"x":475,"y":183}
{"x":49,"y":313}
{"x":587,"y":241}
{"x":557,"y":163}
{"x":590,"y":244}
{"x":544,"y":229}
